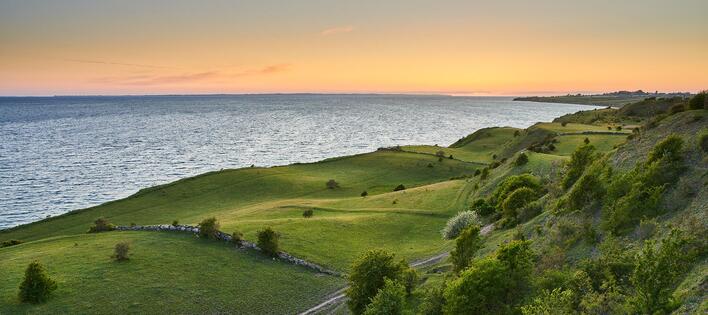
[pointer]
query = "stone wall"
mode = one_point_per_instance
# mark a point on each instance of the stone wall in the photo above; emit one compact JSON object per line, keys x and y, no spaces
{"x":221,"y":236}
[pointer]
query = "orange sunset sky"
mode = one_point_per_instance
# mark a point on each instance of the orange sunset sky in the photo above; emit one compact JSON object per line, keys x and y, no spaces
{"x":455,"y":47}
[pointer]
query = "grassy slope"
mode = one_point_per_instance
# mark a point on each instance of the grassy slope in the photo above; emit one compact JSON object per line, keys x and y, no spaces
{"x":479,"y":146}
{"x":167,"y":273}
{"x":252,"y":198}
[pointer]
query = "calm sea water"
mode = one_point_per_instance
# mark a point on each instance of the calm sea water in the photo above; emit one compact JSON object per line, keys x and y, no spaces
{"x":63,"y":153}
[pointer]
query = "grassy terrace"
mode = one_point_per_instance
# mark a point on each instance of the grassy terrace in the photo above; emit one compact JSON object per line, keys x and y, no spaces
{"x":167,"y":273}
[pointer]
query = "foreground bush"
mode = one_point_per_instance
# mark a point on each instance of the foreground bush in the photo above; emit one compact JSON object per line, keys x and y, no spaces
{"x":459,"y":222}
{"x":209,"y":227}
{"x":120,"y":252}
{"x":268,"y":241}
{"x":551,"y":302}
{"x":368,"y":275}
{"x":657,"y":271}
{"x":466,"y":245}
{"x":37,"y":286}
{"x":101,"y":225}
{"x":390,"y":300}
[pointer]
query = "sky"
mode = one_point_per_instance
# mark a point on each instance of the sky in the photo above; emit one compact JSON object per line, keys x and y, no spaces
{"x":540,"y":47}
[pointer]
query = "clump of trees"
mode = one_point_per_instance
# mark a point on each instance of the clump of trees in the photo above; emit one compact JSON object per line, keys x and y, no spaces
{"x":10,"y":243}
{"x":268,"y":241}
{"x":458,"y":223}
{"x":37,"y":285}
{"x":121,"y":251}
{"x":514,"y":193}
{"x":101,"y":225}
{"x":209,"y":228}
{"x":369,"y":276}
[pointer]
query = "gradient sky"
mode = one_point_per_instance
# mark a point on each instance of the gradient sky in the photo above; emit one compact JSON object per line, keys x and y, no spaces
{"x":407,"y":46}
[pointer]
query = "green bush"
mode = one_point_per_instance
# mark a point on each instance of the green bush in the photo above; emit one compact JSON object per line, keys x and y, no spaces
{"x":627,"y":210}
{"x":529,"y":211}
{"x":175,"y":223}
{"x":10,"y":243}
{"x":512,"y":183}
{"x":671,"y":148}
{"x":516,"y":200}
{"x":579,"y":160}
{"x":521,"y":159}
{"x":237,"y":238}
{"x":466,"y":245}
{"x":657,"y":272}
{"x":677,"y":108}
{"x":458,"y":223}
{"x":209,"y":227}
{"x":484,"y":174}
{"x":551,"y":302}
{"x":36,"y":286}
{"x":589,"y":189}
{"x":399,"y":188}
{"x":368,"y":275}
{"x":101,"y":225}
{"x":307,"y":213}
{"x":433,"y":301}
{"x":699,"y":101}
{"x":479,"y":289}
{"x":121,"y":251}
{"x":268,"y":241}
{"x":332,"y":184}
{"x":703,"y":140}
{"x":482,"y":207}
{"x":390,"y":299}
{"x":364,"y":193}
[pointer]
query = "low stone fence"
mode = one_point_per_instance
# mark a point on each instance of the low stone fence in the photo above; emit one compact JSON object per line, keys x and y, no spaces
{"x":221,"y":236}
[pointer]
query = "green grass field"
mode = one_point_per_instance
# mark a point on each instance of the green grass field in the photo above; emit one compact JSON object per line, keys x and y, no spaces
{"x":167,"y":273}
{"x":603,"y":143}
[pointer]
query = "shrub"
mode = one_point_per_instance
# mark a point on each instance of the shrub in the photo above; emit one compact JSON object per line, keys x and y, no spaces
{"x":478,"y":289}
{"x":433,"y":301}
{"x":332,"y":184}
{"x":516,"y":133}
{"x":120,"y":252}
{"x":459,"y":222}
{"x":512,"y":183}
{"x":563,"y":124}
{"x":101,"y":225}
{"x":698,"y":101}
{"x":517,"y":199}
{"x":646,"y":229}
{"x":364,"y":193}
{"x":703,"y":140}
{"x":209,"y":227}
{"x":677,"y":108}
{"x":586,"y":141}
{"x":588,"y":190}
{"x":430,"y":165}
{"x":390,"y":299}
{"x":307,"y":213}
{"x":551,"y":302}
{"x":36,"y":286}
{"x":529,"y":211}
{"x":399,"y":187}
{"x":579,"y":160}
{"x":237,"y":238}
{"x":368,"y":275}
{"x":521,"y":159}
{"x":175,"y":223}
{"x":10,"y":243}
{"x":268,"y":241}
{"x":482,"y":207}
{"x":440,"y":154}
{"x":657,"y":272}
{"x":671,"y":148}
{"x":466,"y":245}
{"x":485,"y":173}
{"x":618,"y":128}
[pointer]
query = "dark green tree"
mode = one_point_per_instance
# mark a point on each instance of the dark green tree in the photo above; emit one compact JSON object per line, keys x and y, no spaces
{"x":368,"y":274}
{"x":466,"y":245}
{"x":389,"y":300}
{"x":37,"y":285}
{"x":268,"y":241}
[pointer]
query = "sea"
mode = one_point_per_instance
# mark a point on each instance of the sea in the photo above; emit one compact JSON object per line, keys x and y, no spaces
{"x":59,"y":154}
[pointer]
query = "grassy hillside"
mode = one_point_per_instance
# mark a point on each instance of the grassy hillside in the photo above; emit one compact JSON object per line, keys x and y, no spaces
{"x":565,"y":237}
{"x":167,"y":273}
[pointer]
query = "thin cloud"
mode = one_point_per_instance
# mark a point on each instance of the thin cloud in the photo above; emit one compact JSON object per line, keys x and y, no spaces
{"x":118,"y":63}
{"x":147,"y":79}
{"x":337,"y":30}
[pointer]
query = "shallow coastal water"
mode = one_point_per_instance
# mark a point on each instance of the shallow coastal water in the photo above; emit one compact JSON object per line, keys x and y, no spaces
{"x":64,"y":153}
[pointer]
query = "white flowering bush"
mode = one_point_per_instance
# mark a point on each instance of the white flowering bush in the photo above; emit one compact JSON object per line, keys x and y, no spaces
{"x":459,"y":222}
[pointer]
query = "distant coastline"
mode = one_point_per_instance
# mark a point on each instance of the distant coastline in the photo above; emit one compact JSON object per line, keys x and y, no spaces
{"x":614,"y":99}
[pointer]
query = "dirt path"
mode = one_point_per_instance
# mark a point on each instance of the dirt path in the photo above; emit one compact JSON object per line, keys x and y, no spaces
{"x":338,"y":297}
